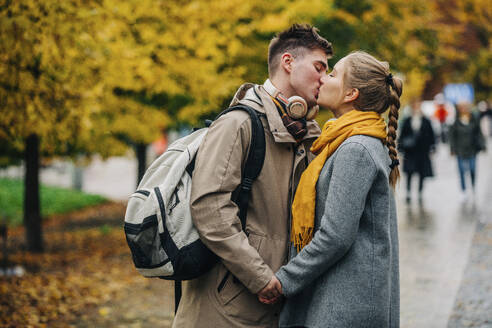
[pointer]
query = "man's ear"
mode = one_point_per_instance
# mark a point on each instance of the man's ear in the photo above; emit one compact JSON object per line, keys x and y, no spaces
{"x":286,"y":61}
{"x":351,"y":95}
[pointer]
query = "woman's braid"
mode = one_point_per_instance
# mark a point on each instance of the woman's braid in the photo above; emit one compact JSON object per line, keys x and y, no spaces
{"x":394,"y":102}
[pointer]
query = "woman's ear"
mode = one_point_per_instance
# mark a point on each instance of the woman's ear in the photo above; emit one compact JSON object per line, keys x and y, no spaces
{"x":286,"y":61}
{"x":351,"y":95}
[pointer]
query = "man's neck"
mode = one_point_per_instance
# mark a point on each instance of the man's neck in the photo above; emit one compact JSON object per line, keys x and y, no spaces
{"x":282,"y":86}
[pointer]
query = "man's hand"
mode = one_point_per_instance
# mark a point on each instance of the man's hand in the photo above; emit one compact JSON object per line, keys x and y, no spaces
{"x":271,"y":292}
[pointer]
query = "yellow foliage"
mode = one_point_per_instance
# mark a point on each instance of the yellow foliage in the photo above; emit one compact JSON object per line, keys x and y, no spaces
{"x":85,"y":74}
{"x":413,"y":84}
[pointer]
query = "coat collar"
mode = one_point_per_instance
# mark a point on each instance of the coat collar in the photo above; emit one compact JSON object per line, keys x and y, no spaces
{"x":256,"y":97}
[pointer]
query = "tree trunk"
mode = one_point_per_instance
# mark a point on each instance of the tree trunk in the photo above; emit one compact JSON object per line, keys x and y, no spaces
{"x":32,"y":213}
{"x":141,"y":150}
{"x":77,"y":176}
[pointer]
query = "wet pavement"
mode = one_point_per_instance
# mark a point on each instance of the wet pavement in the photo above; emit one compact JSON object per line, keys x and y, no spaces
{"x":436,"y":237}
{"x":473,"y":304}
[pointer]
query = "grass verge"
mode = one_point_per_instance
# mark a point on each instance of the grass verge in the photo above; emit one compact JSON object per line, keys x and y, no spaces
{"x":54,"y":200}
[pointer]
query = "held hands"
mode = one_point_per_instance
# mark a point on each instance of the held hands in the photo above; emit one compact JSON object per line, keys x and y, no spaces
{"x":271,"y":293}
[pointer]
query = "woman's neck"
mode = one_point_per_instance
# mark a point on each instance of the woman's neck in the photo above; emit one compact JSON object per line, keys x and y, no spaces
{"x":342,"y":110}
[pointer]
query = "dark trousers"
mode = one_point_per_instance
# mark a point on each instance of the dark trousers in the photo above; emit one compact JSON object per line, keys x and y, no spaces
{"x":409,"y":182}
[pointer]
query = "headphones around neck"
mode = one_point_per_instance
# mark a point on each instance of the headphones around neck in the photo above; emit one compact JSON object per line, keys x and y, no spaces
{"x":295,"y":106}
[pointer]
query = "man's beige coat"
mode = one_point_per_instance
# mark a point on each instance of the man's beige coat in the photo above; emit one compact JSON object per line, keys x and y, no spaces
{"x":254,"y":256}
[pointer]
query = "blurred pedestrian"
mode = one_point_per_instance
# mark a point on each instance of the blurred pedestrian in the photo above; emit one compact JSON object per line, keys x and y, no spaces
{"x":441,"y":114}
{"x":159,"y":146}
{"x":417,"y":140}
{"x":466,"y":140}
{"x":485,"y":110}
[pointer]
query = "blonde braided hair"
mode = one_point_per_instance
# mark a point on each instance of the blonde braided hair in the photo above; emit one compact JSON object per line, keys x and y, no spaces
{"x":378,"y":91}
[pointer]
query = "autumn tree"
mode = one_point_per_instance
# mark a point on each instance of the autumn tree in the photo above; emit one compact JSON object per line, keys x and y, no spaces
{"x":85,"y":77}
{"x":45,"y":75}
{"x":465,"y":29}
{"x":92,"y":77}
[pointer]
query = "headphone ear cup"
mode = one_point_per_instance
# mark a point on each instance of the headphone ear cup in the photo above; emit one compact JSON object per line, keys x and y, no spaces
{"x":297,"y":107}
{"x":312,"y":113}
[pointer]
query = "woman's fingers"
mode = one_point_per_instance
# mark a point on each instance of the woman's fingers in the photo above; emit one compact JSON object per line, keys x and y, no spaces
{"x":268,"y":301}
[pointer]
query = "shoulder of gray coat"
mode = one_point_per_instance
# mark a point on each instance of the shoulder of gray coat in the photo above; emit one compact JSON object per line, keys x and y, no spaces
{"x":361,"y":144}
{"x":374,"y":148}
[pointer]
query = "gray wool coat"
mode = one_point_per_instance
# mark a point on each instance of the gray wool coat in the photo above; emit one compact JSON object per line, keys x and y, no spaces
{"x":348,"y":275}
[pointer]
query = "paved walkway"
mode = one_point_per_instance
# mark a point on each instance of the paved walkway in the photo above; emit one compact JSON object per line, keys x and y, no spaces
{"x":435,"y":241}
{"x":114,"y":178}
{"x":473,"y":303}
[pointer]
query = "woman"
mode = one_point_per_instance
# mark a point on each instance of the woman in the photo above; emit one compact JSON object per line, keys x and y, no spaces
{"x":346,"y":275}
{"x":466,"y":140}
{"x":416,"y":142}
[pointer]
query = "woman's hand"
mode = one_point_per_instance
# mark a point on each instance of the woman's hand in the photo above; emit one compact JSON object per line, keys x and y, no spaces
{"x":271,"y":292}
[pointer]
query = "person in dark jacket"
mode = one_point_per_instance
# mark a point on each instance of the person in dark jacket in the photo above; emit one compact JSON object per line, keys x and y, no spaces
{"x":466,"y":140}
{"x":417,"y":141}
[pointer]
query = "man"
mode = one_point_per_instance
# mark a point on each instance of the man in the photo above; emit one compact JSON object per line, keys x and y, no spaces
{"x":226,"y":296}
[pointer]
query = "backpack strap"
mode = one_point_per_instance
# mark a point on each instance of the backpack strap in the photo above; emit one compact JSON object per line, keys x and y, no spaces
{"x":177,"y":295}
{"x":254,"y":162}
{"x":252,"y":169}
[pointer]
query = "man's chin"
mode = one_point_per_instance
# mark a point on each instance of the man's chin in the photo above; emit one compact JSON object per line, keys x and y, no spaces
{"x":312,"y":103}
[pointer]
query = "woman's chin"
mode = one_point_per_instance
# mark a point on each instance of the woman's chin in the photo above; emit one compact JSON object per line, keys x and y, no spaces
{"x":325,"y":106}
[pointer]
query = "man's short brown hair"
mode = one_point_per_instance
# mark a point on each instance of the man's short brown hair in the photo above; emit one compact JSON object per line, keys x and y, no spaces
{"x":296,"y":40}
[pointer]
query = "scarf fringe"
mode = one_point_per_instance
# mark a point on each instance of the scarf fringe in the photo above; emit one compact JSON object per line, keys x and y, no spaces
{"x":302,"y":238}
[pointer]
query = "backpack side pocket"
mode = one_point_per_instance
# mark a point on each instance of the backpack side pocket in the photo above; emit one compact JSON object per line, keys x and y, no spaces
{"x":142,"y":233}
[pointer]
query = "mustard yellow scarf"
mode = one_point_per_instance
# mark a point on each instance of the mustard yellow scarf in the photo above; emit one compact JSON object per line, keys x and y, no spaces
{"x":334,"y":133}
